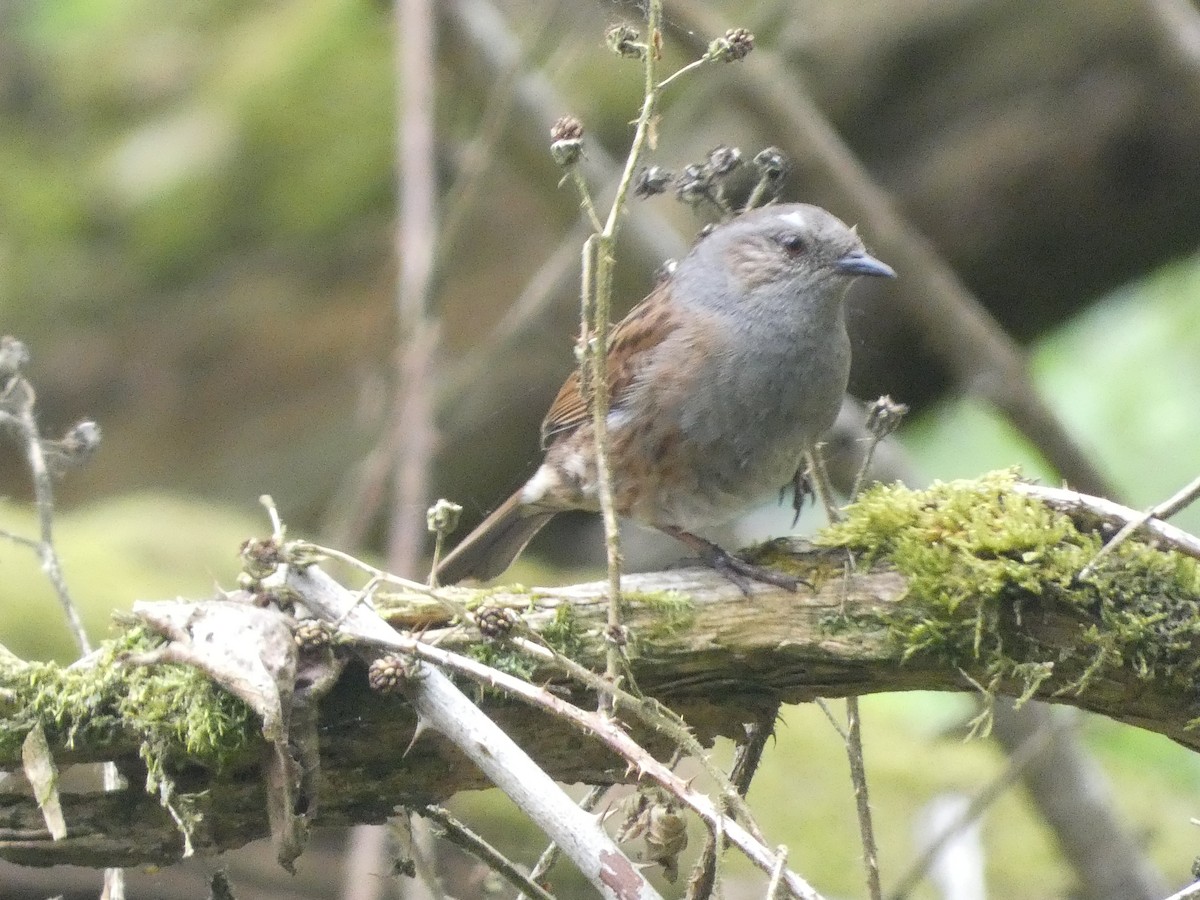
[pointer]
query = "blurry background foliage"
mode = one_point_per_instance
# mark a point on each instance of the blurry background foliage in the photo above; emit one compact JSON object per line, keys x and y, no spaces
{"x":196,"y":229}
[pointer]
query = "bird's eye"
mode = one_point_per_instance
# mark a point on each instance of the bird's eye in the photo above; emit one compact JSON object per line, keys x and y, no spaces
{"x":792,"y":244}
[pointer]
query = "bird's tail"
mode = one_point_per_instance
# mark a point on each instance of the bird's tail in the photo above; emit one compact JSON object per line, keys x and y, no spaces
{"x":495,"y":543}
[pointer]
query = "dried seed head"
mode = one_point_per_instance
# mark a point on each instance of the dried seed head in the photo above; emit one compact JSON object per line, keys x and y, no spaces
{"x":566,"y":137}
{"x":736,"y":44}
{"x":260,"y":558}
{"x":495,"y":622}
{"x":651,"y":180}
{"x":741,"y":42}
{"x":79,"y":444}
{"x":771,"y":163}
{"x":387,"y":674}
{"x":566,"y":153}
{"x":694,"y":184}
{"x":884,"y":416}
{"x":567,"y":128}
{"x":311,"y":635}
{"x":442,"y":517}
{"x":724,"y":160}
{"x":625,"y":40}
{"x":665,"y":838}
{"x":277,"y":596}
{"x":654,"y":816}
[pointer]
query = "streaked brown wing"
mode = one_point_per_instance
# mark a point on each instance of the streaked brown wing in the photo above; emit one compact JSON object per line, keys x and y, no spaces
{"x":646,"y":326}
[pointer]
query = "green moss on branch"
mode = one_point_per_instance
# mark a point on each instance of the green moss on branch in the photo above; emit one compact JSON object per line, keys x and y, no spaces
{"x":173,"y":712}
{"x":982,"y":561}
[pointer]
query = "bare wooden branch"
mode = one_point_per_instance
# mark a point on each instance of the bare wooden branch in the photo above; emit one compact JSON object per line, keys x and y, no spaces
{"x":1097,"y":511}
{"x":440,"y":705}
{"x":774,"y":646}
{"x":717,"y":658}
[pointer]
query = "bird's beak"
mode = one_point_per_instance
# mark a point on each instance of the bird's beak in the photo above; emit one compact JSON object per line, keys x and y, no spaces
{"x":860,"y":262}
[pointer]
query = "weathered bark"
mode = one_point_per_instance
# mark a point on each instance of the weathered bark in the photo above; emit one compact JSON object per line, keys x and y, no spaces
{"x":719,"y":659}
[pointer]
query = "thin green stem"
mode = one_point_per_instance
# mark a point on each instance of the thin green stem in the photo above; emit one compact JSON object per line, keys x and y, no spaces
{"x":598,"y":356}
{"x":861,"y":476}
{"x":585,"y":199}
{"x":439,"y":542}
{"x":690,"y":67}
{"x":821,"y":483}
{"x":645,"y":120}
{"x":596,"y":338}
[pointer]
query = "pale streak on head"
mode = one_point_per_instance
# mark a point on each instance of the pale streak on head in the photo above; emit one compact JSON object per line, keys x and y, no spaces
{"x":793,"y":218}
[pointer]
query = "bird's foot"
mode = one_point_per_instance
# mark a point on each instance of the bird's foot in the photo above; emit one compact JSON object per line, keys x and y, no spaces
{"x":742,"y":573}
{"x":802,"y":489}
{"x":734,"y":568}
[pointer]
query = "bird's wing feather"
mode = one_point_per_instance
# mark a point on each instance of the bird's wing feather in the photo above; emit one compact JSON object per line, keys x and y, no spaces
{"x":645,"y":327}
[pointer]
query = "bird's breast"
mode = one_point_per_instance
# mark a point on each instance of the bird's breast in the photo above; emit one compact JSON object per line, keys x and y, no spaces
{"x":698,"y":451}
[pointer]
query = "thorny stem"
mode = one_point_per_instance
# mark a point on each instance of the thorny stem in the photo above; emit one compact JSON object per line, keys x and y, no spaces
{"x":460,"y":835}
{"x":602,"y":729}
{"x":745,"y":763}
{"x":551,"y":854}
{"x":858,"y":776}
{"x":656,"y":716}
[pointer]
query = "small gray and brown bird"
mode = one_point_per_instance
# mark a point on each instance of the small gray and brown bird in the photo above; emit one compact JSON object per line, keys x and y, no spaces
{"x":719,"y":382}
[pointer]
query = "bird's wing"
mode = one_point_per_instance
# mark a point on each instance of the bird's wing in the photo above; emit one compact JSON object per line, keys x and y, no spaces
{"x":645,"y":327}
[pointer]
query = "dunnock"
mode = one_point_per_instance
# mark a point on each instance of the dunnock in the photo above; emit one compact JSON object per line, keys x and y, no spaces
{"x":719,"y":382}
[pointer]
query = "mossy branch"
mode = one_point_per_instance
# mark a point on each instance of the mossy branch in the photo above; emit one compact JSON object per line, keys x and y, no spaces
{"x":972,"y":582}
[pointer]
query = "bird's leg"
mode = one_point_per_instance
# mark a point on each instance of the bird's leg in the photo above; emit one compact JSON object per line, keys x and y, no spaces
{"x":802,"y":487}
{"x":737,"y":570}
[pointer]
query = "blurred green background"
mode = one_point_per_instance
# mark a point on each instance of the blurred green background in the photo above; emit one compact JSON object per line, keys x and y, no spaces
{"x":196,"y":242}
